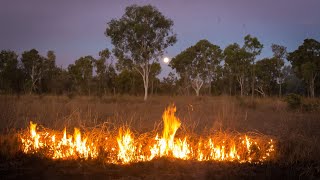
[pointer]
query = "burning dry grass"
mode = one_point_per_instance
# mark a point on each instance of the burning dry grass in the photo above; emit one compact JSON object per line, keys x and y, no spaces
{"x":125,"y":148}
{"x":295,"y":133}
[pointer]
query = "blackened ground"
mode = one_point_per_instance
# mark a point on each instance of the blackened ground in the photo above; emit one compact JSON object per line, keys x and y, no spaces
{"x":31,"y":167}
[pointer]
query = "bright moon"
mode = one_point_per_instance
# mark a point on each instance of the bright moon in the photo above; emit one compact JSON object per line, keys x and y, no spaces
{"x":166,"y":60}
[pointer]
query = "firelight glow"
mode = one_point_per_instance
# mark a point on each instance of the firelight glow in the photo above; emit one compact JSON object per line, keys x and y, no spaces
{"x":125,"y":147}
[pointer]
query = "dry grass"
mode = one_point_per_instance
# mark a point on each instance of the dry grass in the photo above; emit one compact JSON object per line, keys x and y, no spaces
{"x":297,"y":132}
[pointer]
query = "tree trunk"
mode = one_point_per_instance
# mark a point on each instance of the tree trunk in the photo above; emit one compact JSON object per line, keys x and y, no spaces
{"x":241,"y":83}
{"x":197,"y":84}
{"x":280,"y":90}
{"x":144,"y":72}
{"x":145,"y":92}
{"x":253,"y":80}
{"x":146,"y":81}
{"x":312,"y":88}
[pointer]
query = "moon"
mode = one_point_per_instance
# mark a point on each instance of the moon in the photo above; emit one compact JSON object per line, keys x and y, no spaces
{"x":166,"y":60}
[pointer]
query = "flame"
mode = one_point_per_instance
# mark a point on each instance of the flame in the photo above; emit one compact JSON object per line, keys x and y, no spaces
{"x":167,"y":145}
{"x":126,"y":148}
{"x":66,"y":148}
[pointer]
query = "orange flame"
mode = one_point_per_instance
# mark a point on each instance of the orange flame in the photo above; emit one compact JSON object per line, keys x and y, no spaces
{"x":126,"y":149}
{"x":65,"y":148}
{"x":167,"y":146}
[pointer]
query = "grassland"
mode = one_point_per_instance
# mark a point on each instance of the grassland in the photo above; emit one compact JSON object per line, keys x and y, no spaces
{"x":297,"y":133}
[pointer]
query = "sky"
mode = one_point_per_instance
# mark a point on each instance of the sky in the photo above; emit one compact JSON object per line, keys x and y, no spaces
{"x":75,"y":28}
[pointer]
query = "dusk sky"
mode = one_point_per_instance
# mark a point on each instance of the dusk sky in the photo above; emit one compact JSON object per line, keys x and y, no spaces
{"x":76,"y":28}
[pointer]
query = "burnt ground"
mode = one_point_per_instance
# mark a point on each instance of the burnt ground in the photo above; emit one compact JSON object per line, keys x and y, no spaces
{"x":31,"y":167}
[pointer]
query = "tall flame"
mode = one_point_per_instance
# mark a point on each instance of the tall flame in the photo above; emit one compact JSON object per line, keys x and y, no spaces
{"x":126,"y":146}
{"x":167,"y":146}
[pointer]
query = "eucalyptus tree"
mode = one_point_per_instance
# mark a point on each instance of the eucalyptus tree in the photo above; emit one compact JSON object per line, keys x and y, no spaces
{"x":81,"y":73}
{"x":306,"y":63}
{"x":169,"y":83}
{"x":198,"y":64}
{"x":101,"y":70}
{"x":253,"y":47}
{"x":8,"y":70}
{"x":140,"y":36}
{"x":36,"y":67}
{"x":155,"y":70}
{"x":279,"y":53}
{"x":237,"y":64}
{"x":267,"y":73}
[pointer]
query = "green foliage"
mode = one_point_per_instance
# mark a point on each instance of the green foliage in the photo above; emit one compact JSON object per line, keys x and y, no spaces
{"x":252,"y":45}
{"x":140,"y":37}
{"x":253,"y":48}
{"x":203,"y":60}
{"x":9,"y":72}
{"x":129,"y":82}
{"x":266,"y":75}
{"x":294,"y":100}
{"x":306,"y":63}
{"x":237,"y":62}
{"x":38,"y":70}
{"x":279,"y":54}
{"x":169,"y":84}
{"x":81,"y":73}
{"x":104,"y":72}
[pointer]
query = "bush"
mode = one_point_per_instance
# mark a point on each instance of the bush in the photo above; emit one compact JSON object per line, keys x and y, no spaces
{"x":293,"y":100}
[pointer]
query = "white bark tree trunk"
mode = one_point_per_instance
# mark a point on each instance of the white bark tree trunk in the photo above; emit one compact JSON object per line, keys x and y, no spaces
{"x":260,"y":90}
{"x":241,"y":83}
{"x":197,"y":84}
{"x":144,"y":72}
{"x":146,"y":87}
{"x":35,"y":77}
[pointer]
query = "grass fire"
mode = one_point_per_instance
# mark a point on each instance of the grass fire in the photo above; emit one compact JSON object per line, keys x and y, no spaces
{"x":159,"y":90}
{"x":125,"y":148}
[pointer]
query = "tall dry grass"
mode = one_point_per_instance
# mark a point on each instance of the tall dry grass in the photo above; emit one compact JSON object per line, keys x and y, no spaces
{"x":297,"y":132}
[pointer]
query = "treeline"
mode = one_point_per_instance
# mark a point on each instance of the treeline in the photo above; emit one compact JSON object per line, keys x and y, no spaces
{"x":230,"y":71}
{"x":237,"y":71}
{"x":32,"y":72}
{"x":139,"y":38}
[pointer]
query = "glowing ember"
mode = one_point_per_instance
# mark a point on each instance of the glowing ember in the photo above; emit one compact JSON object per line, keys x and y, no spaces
{"x":125,"y":149}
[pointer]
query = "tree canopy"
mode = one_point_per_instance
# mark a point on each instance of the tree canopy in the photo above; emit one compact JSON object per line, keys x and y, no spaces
{"x":198,"y":63}
{"x":140,"y":36}
{"x":306,"y":62}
